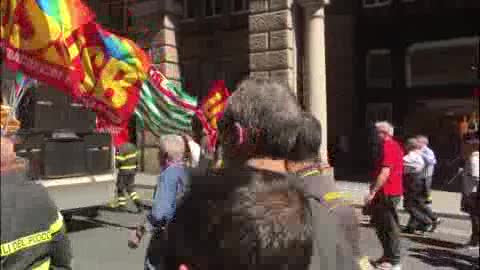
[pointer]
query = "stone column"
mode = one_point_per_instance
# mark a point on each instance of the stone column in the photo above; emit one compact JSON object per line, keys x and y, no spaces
{"x":315,"y":75}
{"x":160,"y":17}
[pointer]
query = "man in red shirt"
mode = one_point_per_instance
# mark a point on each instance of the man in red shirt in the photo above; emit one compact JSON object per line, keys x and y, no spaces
{"x":385,"y":194}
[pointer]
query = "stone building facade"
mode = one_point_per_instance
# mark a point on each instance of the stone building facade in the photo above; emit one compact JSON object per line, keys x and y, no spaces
{"x":349,"y":62}
{"x":195,"y":42}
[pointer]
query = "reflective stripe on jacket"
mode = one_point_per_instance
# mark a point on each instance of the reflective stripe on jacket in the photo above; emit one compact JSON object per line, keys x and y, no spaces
{"x":32,"y":240}
{"x":127,"y":159}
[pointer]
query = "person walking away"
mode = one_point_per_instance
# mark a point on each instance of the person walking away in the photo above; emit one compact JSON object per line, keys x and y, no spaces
{"x":33,"y":231}
{"x":126,"y":163}
{"x":171,"y":187}
{"x":421,"y":216}
{"x":304,"y":163}
{"x":470,"y":196}
{"x":384,"y":196}
{"x":430,"y":162}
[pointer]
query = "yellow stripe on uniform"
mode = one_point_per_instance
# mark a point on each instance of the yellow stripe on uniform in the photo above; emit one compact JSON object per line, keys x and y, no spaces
{"x":43,"y":266}
{"x":134,"y":196}
{"x":32,"y":240}
{"x":125,"y":157}
{"x":310,"y":173}
{"x":330,"y":196}
{"x":364,"y":263}
{"x":131,"y":167}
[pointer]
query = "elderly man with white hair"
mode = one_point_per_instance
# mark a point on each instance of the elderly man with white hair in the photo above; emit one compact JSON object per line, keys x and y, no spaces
{"x":171,"y":186}
{"x":385,"y":194}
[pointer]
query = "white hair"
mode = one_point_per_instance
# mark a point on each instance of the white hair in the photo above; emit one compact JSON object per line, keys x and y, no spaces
{"x":384,"y":126}
{"x":423,"y":139}
{"x":173,"y":146}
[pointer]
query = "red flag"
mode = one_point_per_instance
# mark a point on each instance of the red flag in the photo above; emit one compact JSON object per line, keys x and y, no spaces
{"x":58,"y":43}
{"x":120,"y":134}
{"x":211,"y":110}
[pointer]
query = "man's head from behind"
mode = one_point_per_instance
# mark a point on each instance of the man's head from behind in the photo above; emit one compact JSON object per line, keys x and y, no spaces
{"x":422,"y":140}
{"x":413,"y":144}
{"x":259,"y":121}
{"x":172,"y":149}
{"x":253,"y":222}
{"x":308,"y":142}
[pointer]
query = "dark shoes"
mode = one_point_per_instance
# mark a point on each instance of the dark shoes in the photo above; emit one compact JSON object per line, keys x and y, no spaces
{"x":471,"y":245}
{"x":423,"y":229}
{"x":408,"y":230}
{"x":434,"y":225}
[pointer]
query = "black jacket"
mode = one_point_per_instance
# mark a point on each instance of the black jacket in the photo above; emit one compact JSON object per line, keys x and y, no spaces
{"x":33,"y":233}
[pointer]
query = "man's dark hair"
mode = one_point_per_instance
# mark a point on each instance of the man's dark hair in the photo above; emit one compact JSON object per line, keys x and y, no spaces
{"x":309,"y":139}
{"x":268,"y":111}
{"x":244,"y":220}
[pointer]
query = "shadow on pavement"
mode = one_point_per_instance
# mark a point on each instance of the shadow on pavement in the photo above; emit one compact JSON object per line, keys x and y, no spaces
{"x":77,"y":225}
{"x":109,"y":224}
{"x":81,"y":224}
{"x":445,"y":258}
{"x":427,"y":240}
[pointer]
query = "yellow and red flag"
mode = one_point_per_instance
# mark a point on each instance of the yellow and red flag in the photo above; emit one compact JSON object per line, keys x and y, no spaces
{"x":58,"y":43}
{"x":211,"y":110}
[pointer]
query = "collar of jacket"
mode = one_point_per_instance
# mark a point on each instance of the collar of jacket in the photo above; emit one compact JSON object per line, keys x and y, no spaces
{"x":169,"y":164}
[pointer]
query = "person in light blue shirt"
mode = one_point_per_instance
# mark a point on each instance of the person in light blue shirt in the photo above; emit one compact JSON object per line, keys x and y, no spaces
{"x":171,"y":186}
{"x":430,"y":162}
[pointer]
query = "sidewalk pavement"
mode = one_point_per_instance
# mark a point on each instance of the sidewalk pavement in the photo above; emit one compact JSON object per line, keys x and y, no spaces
{"x":445,"y":204}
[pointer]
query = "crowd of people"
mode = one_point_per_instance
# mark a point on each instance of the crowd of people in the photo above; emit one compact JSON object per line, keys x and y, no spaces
{"x":407,"y":171}
{"x":261,"y":201}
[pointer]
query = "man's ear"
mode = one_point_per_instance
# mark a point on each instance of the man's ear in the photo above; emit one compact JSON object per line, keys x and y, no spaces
{"x":183,"y":267}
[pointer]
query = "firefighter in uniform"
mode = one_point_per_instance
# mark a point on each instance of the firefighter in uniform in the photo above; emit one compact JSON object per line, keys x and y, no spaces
{"x":33,"y":232}
{"x":126,"y":162}
{"x":303,"y":162}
